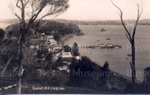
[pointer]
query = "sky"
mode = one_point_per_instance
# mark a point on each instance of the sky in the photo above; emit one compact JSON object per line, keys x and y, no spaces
{"x":91,"y":10}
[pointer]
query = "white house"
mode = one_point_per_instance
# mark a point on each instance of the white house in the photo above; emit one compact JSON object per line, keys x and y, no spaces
{"x":66,"y":56}
{"x":32,"y":47}
{"x":78,"y":58}
{"x":57,"y":48}
{"x":50,"y":37}
{"x":63,"y":68}
{"x":53,"y":42}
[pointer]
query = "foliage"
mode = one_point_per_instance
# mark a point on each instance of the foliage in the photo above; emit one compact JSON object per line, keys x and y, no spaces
{"x":54,"y":28}
{"x":67,"y":48}
{"x":2,"y":33}
{"x":147,"y":77}
{"x":85,"y":73}
{"x":75,"y":50}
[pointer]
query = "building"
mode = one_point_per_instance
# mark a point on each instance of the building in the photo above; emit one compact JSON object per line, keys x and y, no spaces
{"x":50,"y":37}
{"x":52,"y":42}
{"x":66,"y":56}
{"x":57,"y":48}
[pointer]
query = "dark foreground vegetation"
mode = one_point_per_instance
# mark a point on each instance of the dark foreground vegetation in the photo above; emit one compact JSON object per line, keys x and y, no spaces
{"x":84,"y":77}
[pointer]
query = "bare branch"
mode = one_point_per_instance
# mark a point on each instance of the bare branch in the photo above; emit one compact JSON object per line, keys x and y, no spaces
{"x":45,"y":23}
{"x":33,"y":18}
{"x":128,"y":38}
{"x":17,"y":5}
{"x":17,"y":16}
{"x":139,"y":13}
{"x":116,"y":6}
{"x":26,"y":2}
{"x":15,"y":13}
{"x":122,"y":21}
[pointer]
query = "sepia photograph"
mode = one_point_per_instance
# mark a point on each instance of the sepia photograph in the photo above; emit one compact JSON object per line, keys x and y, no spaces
{"x":74,"y":47}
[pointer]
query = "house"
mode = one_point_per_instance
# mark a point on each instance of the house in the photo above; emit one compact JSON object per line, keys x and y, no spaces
{"x":63,"y":68}
{"x":50,"y":50}
{"x":50,"y":37}
{"x":37,"y":40}
{"x":42,"y":36}
{"x":57,"y":48}
{"x":47,"y":43}
{"x":32,"y":47}
{"x":37,"y":47}
{"x":53,"y":42}
{"x":56,"y":56}
{"x":78,"y":58}
{"x":66,"y":62}
{"x":66,"y":56}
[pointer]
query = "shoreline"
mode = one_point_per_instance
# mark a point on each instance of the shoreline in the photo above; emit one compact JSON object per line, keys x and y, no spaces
{"x":64,"y":38}
{"x":129,"y":79}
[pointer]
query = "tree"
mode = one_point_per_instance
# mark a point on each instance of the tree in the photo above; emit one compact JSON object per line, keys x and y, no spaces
{"x":131,"y":36}
{"x":57,"y":37}
{"x":75,"y":50}
{"x":105,"y":66}
{"x":27,"y":12}
{"x":147,"y":76}
{"x":67,"y":48}
{"x":2,"y":34}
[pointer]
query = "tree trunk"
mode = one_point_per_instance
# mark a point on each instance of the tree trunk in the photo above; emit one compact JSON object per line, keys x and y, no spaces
{"x":20,"y":67}
{"x":133,"y":64}
{"x":19,"y":86}
{"x":20,"y":72}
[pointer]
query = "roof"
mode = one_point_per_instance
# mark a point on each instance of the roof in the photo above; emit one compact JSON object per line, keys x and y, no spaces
{"x":66,"y":55}
{"x":78,"y":57}
{"x":50,"y":37}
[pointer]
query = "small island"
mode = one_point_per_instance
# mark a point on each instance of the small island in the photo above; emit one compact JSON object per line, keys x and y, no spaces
{"x":103,"y":29}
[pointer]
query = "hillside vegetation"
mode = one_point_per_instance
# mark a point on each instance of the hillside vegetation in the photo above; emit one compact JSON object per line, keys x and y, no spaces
{"x":48,"y":27}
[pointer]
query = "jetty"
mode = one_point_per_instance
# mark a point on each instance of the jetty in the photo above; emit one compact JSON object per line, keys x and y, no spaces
{"x":104,"y":46}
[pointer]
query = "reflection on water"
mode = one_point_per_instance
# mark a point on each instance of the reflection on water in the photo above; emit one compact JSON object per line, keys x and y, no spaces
{"x":117,"y":58}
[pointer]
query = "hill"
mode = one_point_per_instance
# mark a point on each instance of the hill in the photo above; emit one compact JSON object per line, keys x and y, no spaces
{"x":9,"y":21}
{"x":57,"y":29}
{"x":83,"y":22}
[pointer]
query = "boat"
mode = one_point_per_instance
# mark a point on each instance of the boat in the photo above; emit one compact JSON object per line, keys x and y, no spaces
{"x":110,"y":46}
{"x":102,"y":46}
{"x":118,"y":46}
{"x":108,"y":39}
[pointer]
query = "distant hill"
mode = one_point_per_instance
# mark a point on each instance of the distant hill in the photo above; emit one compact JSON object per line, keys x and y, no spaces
{"x":82,"y":22}
{"x":9,"y":21}
{"x":103,"y":22}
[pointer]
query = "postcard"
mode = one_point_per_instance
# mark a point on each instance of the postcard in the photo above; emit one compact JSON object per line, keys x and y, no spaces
{"x":74,"y":47}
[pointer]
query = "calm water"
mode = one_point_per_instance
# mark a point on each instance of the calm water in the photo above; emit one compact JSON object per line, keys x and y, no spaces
{"x":117,"y":58}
